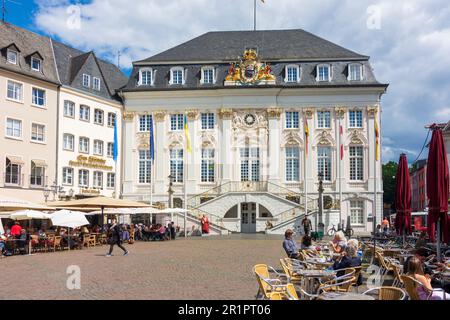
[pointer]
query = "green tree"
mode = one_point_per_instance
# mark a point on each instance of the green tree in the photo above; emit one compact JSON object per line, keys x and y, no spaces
{"x":389,"y":173}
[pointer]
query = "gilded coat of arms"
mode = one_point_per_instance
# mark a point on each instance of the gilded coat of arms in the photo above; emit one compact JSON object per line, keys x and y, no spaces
{"x":249,"y":70}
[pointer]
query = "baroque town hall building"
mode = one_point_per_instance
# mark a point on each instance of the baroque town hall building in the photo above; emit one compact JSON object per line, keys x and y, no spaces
{"x":268,"y":113}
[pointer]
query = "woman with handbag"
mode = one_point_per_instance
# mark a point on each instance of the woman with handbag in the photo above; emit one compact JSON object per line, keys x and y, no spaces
{"x":114,"y":237}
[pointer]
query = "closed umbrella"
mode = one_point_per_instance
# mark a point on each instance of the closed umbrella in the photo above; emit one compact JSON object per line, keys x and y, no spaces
{"x":438,"y":189}
{"x":14,"y":204}
{"x":403,"y":198}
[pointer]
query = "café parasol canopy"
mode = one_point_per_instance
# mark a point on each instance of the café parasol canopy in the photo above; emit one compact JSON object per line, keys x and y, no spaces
{"x":68,"y":218}
{"x":438,"y":187}
{"x":14,"y":204}
{"x":403,"y":197}
{"x":28,"y":215}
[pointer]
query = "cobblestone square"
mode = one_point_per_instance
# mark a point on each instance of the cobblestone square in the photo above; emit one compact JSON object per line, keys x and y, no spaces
{"x":194,"y":268}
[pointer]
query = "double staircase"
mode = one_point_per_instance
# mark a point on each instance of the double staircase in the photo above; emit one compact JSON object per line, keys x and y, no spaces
{"x":260,"y":189}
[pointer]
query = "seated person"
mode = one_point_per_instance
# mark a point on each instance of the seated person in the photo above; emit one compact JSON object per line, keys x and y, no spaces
{"x":349,"y":259}
{"x":339,"y":242}
{"x":422,"y":241}
{"x":41,"y":233}
{"x":22,"y":242}
{"x":425,"y":291}
{"x":289,"y":245}
{"x":2,"y":245}
{"x":306,"y":243}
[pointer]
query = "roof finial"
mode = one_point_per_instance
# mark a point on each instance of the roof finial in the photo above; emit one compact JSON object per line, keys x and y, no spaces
{"x":118,"y":59}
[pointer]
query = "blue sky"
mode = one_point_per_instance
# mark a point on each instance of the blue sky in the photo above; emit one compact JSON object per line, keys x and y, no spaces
{"x":408,"y":41}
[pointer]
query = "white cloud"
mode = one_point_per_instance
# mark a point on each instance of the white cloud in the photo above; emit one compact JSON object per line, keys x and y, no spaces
{"x":410,"y":51}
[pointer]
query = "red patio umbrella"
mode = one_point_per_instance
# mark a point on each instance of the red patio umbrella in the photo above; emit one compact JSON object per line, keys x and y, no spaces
{"x":438,"y":186}
{"x":403,"y":197}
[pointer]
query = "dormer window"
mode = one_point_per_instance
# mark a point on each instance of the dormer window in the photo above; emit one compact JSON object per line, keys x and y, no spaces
{"x":177,"y":75}
{"x":207,"y":75}
{"x":355,"y":72}
{"x":86,"y":80}
{"x":323,"y":72}
{"x":292,"y":73}
{"x":35,"y":64}
{"x":11,"y":56}
{"x":96,"y":83}
{"x":145,"y":77}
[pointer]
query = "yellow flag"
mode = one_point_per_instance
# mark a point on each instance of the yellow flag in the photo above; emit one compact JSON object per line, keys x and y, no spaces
{"x":377,"y":140}
{"x":186,"y":133}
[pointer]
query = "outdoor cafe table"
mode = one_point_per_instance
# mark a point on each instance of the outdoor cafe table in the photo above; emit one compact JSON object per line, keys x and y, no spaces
{"x":308,"y":277}
{"x":320,"y":262}
{"x":345,"y":296}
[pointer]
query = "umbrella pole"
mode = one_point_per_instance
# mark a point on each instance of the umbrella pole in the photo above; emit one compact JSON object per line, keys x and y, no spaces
{"x":438,"y":240}
{"x":68,"y":238}
{"x":103,"y":219}
{"x":185,"y":220}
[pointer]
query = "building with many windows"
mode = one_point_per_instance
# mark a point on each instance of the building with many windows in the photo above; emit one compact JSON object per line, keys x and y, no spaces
{"x":267,"y":113}
{"x":59,"y":107}
{"x":28,"y":98}
{"x":88,"y":111}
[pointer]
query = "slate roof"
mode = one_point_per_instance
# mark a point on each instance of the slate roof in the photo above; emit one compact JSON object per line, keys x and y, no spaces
{"x":272,"y":45}
{"x":278,"y":47}
{"x":28,"y":43}
{"x":69,"y":61}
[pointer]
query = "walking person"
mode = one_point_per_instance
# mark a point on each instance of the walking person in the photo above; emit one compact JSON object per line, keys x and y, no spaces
{"x":307,"y":225}
{"x":115,"y":238}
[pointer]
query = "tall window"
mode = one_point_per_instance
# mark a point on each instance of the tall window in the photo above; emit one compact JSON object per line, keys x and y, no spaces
{"x":292,"y":164}
{"x":356,"y":212}
{"x":324,"y":119}
{"x":355,"y":72}
{"x":13,"y":174}
{"x":11,"y":56}
{"x":356,"y":163}
{"x":176,"y":164}
{"x":110,"y":151}
{"x":68,"y":141}
{"x":207,"y":169}
{"x":37,"y":175}
{"x":96,"y":83}
{"x":83,"y":178}
{"x":176,"y":122}
{"x":67,"y":176}
{"x":69,"y":109}
{"x":13,"y":128}
{"x":38,"y":97}
{"x":145,"y":77}
{"x":324,"y":162}
{"x":144,"y":122}
{"x":207,"y":121}
{"x":86,"y":80}
{"x":144,"y":166}
{"x":207,"y":75}
{"x":249,"y":164}
{"x":177,"y":75}
{"x":98,"y":116}
{"x":37,"y":132}
{"x":84,"y":113}
{"x":35,"y":64}
{"x":111,"y":180}
{"x":15,"y":90}
{"x":355,"y":119}
{"x":292,"y":120}
{"x":84,"y":145}
{"x":292,"y":74}
{"x":98,"y":147}
{"x":111,"y":119}
{"x":323,"y":73}
{"x":98,"y":179}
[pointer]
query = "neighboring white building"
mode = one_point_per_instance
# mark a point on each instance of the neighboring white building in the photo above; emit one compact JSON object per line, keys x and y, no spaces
{"x":88,"y":108}
{"x":247,"y":129}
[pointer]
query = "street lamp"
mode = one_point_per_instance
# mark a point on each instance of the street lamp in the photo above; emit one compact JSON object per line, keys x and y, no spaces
{"x":46,"y":192}
{"x":320,"y":196}
{"x":170,"y":191}
{"x":56,"y":189}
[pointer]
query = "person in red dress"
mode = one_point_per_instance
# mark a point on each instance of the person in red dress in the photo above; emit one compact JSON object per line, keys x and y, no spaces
{"x":205,"y":224}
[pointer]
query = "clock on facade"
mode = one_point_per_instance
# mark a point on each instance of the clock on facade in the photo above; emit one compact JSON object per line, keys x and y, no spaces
{"x":249,"y":119}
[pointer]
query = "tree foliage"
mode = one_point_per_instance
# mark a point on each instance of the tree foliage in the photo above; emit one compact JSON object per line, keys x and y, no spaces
{"x":389,"y":172}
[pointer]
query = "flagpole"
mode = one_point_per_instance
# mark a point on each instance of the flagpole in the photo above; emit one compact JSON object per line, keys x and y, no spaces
{"x":305,"y":187}
{"x":340,"y":158}
{"x":375,"y":177}
{"x":185,"y":190}
{"x":254,"y":15}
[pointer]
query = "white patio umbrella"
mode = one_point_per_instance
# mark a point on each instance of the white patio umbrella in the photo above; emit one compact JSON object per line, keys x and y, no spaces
{"x":69,"y":219}
{"x":28,"y":215}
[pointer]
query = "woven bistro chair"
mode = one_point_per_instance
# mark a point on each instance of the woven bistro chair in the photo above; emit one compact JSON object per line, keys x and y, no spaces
{"x":267,"y":284}
{"x":388,"y":293}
